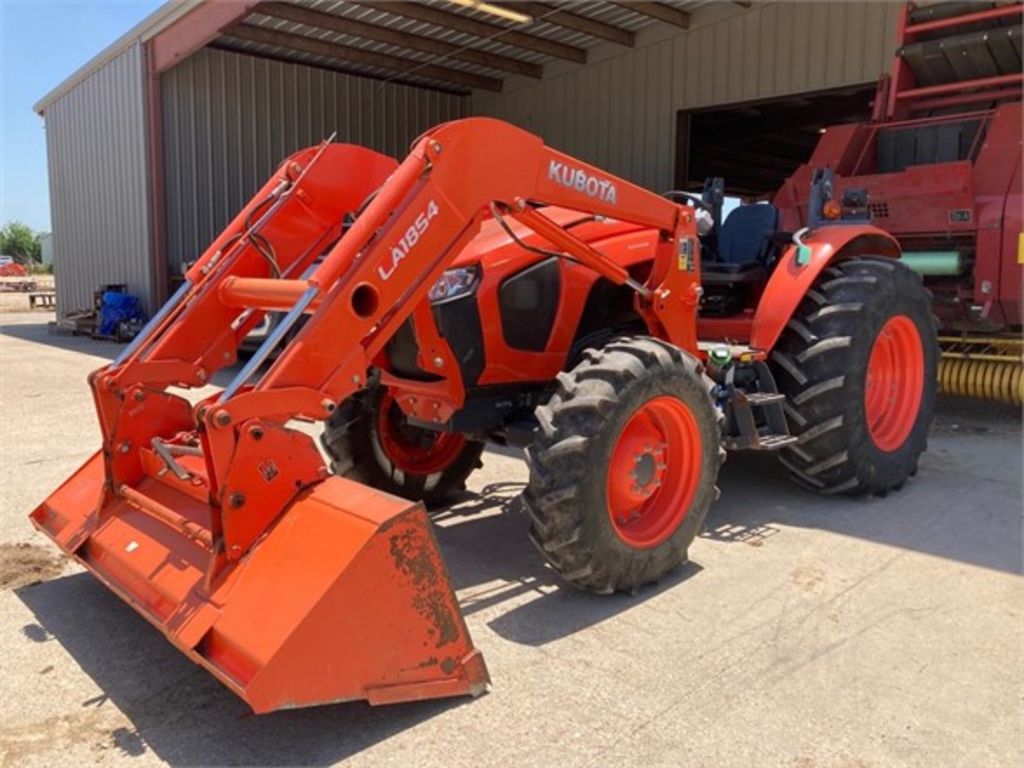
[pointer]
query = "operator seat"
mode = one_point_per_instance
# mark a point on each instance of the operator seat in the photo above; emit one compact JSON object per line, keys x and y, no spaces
{"x":744,"y":246}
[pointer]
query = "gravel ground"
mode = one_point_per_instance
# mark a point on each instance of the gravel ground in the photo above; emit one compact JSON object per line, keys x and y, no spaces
{"x":806,"y":632}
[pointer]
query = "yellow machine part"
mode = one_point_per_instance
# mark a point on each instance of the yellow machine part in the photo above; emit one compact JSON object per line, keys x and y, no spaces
{"x":986,"y":368}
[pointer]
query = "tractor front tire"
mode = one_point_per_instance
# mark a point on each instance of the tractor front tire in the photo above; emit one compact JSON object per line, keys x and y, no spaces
{"x":623,"y":466}
{"x":368,"y":440}
{"x":857,"y":363}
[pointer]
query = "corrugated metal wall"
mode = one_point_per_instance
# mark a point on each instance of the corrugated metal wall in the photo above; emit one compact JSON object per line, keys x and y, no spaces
{"x":229,"y":119}
{"x":619,"y":111}
{"x":96,"y":153}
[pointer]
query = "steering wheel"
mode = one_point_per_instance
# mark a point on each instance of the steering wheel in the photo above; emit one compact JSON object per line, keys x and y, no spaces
{"x":690,"y":197}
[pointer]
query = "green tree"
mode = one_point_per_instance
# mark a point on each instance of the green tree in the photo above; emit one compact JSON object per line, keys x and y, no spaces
{"x":21,"y":242}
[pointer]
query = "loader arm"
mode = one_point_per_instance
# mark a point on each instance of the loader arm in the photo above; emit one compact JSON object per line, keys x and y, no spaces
{"x":219,"y":523}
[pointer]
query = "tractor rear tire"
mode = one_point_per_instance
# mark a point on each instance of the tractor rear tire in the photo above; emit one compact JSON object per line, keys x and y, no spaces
{"x":367,"y":440}
{"x":623,"y":466}
{"x":857,"y":363}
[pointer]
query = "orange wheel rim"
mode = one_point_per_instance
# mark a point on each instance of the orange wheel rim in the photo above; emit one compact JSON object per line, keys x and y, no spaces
{"x":654,"y":472}
{"x":895,"y":383}
{"x":413,"y":450}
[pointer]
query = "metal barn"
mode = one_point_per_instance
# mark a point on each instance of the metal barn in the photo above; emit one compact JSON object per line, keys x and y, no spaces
{"x":156,"y":142}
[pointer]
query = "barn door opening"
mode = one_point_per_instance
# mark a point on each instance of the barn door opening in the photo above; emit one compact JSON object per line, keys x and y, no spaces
{"x":757,"y":145}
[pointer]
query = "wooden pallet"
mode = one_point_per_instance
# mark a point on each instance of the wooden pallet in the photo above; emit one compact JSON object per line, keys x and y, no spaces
{"x":82,"y":323}
{"x":43,"y":299}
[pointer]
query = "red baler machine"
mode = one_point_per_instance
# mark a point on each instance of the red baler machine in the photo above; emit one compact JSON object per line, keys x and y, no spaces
{"x":941,"y":163}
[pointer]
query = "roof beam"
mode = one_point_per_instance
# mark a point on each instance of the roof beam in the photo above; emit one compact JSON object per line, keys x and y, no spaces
{"x":313,"y":18}
{"x":437,"y":17}
{"x":548,"y":14}
{"x":661,"y":12}
{"x":193,"y":31}
{"x":281,"y":55}
{"x":404,"y":67}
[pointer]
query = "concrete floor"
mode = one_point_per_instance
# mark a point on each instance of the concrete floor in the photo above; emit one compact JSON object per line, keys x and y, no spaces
{"x":806,"y":632}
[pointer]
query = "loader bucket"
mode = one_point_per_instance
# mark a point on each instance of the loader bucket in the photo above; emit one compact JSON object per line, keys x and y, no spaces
{"x":345,"y":597}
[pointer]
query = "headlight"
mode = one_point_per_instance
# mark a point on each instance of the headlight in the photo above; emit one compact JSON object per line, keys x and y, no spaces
{"x":454,"y":284}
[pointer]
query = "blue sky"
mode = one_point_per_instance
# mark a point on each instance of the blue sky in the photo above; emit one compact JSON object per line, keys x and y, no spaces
{"x":41,"y":43}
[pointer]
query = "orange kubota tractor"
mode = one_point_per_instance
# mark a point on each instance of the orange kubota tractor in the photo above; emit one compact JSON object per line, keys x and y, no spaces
{"x":488,"y":288}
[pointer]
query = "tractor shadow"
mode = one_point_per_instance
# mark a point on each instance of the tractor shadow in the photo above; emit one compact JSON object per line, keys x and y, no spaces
{"x":179,"y":712}
{"x":963,"y":505}
{"x":500,"y":576}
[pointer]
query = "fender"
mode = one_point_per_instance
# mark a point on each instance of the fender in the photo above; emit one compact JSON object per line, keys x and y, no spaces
{"x":790,"y":281}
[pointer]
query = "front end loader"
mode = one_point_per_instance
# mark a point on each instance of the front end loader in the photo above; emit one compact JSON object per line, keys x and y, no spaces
{"x":488,"y":288}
